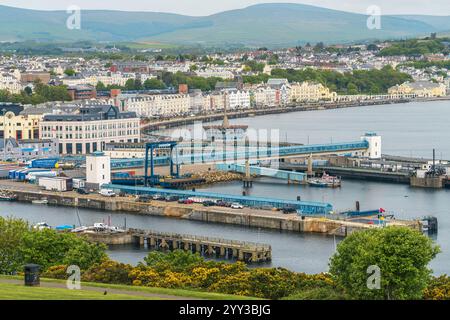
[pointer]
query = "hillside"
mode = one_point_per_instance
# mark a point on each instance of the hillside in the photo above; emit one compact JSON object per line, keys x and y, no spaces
{"x":265,"y":24}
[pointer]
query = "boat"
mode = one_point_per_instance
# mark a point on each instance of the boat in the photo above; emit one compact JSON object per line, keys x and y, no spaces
{"x":98,"y":228}
{"x":6,"y":195}
{"x":41,"y":226}
{"x":326,"y":181}
{"x":64,"y":227}
{"x":42,"y":201}
{"x":8,"y":198}
{"x":80,"y":229}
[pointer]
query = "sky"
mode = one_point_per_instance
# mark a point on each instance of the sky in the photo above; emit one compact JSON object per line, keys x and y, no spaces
{"x":206,"y":7}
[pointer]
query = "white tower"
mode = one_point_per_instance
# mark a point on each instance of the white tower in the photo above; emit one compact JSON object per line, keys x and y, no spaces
{"x":374,"y":149}
{"x":98,"y":170}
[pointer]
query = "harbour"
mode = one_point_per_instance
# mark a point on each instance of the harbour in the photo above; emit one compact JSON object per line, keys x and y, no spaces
{"x":407,"y":203}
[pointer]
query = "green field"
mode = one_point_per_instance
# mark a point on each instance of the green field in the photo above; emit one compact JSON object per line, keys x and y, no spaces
{"x":20,"y":292}
{"x":12,"y":288}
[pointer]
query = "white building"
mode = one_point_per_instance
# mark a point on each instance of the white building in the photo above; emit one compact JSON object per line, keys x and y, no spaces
{"x":89,"y":128}
{"x":157,"y":105}
{"x":374,"y":150}
{"x":265,"y":96}
{"x":10,"y":83}
{"x":237,"y":99}
{"x":98,"y":170}
{"x":215,"y":72}
{"x":110,"y":78}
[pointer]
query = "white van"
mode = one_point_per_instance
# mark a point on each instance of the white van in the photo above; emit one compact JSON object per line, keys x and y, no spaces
{"x":107,"y":193}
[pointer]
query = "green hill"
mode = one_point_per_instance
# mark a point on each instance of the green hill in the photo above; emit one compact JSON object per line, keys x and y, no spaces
{"x":265,"y":24}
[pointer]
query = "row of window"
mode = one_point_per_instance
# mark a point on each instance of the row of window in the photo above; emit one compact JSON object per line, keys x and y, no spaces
{"x":93,"y":135}
{"x":121,"y":125}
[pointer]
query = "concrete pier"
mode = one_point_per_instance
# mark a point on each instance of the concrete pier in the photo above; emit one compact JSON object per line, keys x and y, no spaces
{"x":247,"y":217}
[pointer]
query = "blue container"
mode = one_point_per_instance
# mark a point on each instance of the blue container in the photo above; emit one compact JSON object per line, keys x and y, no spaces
{"x":44,"y":163}
{"x":11,"y":173}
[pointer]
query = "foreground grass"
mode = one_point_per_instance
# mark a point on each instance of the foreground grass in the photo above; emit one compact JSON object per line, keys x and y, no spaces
{"x":132,"y":289}
{"x":20,"y":292}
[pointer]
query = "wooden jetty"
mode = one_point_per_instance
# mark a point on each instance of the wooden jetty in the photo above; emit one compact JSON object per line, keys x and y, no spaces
{"x":249,"y":252}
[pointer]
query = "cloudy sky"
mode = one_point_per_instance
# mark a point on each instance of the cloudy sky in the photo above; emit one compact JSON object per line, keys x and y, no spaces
{"x":205,"y":7}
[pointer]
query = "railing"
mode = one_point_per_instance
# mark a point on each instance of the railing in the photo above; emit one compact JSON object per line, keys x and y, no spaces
{"x":185,"y":237}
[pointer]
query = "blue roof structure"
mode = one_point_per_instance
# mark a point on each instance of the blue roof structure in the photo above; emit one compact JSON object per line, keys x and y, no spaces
{"x":307,"y":207}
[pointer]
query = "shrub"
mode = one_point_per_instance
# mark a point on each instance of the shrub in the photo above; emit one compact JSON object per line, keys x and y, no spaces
{"x":108,"y":271}
{"x":56,"y":272}
{"x":438,"y":289}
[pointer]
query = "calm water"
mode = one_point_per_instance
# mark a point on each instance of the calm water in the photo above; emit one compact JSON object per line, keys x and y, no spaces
{"x":311,"y":253}
{"x":412,"y":129}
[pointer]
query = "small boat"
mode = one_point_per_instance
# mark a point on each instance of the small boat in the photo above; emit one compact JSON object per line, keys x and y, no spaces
{"x":317,"y":183}
{"x":80,"y":229}
{"x":42,"y":201}
{"x":64,"y":228}
{"x":41,"y":226}
{"x":326,"y":181}
{"x":7,"y":196}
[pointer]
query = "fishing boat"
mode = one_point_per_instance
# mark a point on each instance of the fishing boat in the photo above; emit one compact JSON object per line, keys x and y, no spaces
{"x":326,"y":181}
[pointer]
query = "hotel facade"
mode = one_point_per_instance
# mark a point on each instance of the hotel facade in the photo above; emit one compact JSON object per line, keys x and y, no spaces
{"x":89,"y":128}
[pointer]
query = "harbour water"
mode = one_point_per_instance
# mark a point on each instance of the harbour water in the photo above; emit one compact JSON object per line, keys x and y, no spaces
{"x":412,"y":129}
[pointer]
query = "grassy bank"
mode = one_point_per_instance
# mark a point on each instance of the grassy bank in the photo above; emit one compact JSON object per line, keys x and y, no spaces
{"x":52,"y":289}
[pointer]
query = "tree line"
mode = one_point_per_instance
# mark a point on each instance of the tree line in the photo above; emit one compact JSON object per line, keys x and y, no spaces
{"x":39,"y":94}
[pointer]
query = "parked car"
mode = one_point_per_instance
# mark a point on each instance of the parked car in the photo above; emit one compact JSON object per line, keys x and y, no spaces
{"x":236,"y":206}
{"x":172,"y":198}
{"x":209,"y":203}
{"x":221,"y":203}
{"x":158,"y":197}
{"x":185,"y":201}
{"x":82,"y":191}
{"x":144,"y":198}
{"x":287,"y":210}
{"x":107,"y":193}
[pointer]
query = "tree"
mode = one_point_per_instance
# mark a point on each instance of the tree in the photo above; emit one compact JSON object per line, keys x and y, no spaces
{"x":372,"y":47}
{"x":401,"y":254}
{"x":70,"y":72}
{"x":28,"y":91}
{"x":100,"y":86}
{"x":49,"y":247}
{"x":11,"y":238}
{"x":154,"y":84}
{"x":129,"y":85}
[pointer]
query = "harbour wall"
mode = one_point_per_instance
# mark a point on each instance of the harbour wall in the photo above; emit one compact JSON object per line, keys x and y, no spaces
{"x":196,"y":212}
